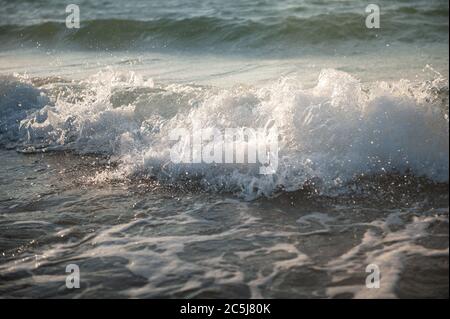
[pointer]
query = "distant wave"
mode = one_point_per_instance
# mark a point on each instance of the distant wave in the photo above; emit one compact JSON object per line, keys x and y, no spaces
{"x":213,"y":33}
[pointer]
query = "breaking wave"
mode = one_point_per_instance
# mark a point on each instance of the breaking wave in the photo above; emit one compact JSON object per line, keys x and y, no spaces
{"x":329,"y":135}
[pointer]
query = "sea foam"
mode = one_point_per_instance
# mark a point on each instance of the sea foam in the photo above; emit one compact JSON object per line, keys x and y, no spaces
{"x":329,"y":134}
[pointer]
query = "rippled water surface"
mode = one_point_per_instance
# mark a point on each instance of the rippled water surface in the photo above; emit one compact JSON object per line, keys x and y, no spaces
{"x":141,"y":240}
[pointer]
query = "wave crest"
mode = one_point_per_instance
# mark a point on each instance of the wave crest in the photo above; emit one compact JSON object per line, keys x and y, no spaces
{"x":338,"y":131}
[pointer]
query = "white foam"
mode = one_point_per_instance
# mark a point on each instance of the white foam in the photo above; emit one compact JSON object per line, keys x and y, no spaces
{"x":336,"y":131}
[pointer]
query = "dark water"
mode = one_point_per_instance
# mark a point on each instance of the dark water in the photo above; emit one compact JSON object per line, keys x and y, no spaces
{"x":142,"y":240}
{"x":86,"y":176}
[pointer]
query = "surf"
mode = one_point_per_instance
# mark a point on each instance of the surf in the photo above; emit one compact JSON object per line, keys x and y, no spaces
{"x":333,"y":133}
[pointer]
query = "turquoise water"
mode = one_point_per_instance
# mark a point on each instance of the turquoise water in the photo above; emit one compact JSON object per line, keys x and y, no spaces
{"x":233,"y":42}
{"x":267,"y":27}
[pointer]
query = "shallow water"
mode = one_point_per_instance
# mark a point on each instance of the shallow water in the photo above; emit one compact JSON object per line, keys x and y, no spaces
{"x":86,"y":177}
{"x":143,"y":240}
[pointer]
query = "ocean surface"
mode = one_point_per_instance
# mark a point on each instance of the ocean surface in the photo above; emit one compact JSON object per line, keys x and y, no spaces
{"x":86,"y":176}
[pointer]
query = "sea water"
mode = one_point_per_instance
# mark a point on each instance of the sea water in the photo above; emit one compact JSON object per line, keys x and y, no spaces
{"x":87,"y":179}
